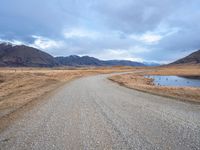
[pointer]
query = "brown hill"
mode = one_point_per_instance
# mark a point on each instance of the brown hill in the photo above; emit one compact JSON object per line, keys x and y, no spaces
{"x":193,"y":58}
{"x":24,"y":56}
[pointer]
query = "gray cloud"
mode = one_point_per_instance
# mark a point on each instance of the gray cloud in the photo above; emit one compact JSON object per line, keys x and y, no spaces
{"x":136,"y":16}
{"x":141,"y":30}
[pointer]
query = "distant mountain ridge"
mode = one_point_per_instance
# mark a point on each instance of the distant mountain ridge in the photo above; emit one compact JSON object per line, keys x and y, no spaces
{"x":75,"y":60}
{"x":152,"y":64}
{"x":193,"y":58}
{"x":25,"y":56}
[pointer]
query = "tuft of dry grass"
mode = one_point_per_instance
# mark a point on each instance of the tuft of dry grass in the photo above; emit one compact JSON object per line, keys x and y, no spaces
{"x":139,"y":82}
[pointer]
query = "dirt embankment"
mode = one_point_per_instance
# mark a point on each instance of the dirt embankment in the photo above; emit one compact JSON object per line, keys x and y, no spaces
{"x":139,"y":82}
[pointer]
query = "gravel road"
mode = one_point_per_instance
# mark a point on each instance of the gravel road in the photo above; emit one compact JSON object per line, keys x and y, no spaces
{"x":95,"y":113}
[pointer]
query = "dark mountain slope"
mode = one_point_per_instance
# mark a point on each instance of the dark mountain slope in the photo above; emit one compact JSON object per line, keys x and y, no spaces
{"x":193,"y":58}
{"x":24,"y":56}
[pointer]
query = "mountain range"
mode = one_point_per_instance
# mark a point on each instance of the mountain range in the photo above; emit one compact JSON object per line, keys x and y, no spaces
{"x":75,"y":60}
{"x":25,"y":56}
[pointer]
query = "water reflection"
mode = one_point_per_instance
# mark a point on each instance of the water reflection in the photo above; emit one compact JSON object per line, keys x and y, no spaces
{"x":175,"y":81}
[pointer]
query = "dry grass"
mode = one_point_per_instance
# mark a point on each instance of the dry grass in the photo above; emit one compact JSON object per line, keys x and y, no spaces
{"x":139,"y":82}
{"x":193,"y":70}
{"x":19,"y":86}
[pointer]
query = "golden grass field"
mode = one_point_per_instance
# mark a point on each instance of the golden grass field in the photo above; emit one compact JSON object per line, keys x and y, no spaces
{"x":139,"y":82}
{"x":19,"y":86}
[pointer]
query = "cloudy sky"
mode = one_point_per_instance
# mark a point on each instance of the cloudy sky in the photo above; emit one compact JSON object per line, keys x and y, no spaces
{"x":140,"y":30}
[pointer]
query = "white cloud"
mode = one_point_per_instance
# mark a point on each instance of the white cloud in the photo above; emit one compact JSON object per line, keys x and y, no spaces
{"x":151,"y":38}
{"x":138,"y":49}
{"x":147,"y":38}
{"x":16,"y":42}
{"x":118,"y":54}
{"x":13,"y":42}
{"x":80,"y":33}
{"x":154,"y":37}
{"x":45,"y":43}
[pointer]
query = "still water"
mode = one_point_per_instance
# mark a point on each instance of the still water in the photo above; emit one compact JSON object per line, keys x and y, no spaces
{"x":175,"y":81}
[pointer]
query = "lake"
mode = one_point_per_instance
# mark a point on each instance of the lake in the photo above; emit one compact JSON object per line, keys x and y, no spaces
{"x":175,"y":81}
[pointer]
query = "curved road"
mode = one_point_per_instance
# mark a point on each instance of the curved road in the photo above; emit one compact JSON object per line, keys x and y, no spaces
{"x":94,"y":113}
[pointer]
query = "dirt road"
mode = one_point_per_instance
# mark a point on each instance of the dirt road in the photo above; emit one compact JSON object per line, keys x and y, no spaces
{"x":94,"y":113}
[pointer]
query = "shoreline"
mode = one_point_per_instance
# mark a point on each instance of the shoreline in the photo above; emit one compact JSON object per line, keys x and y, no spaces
{"x":138,"y":81}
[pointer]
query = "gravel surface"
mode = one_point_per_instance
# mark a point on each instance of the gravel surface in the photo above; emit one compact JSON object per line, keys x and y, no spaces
{"x":94,"y":113}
